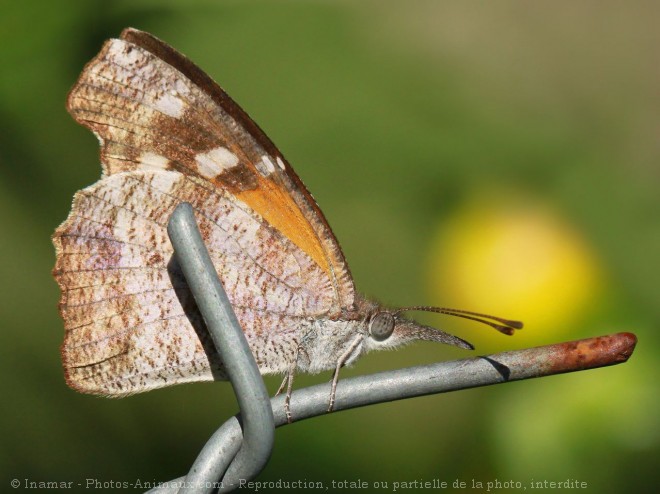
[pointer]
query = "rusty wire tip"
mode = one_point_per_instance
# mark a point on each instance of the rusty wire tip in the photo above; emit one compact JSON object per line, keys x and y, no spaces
{"x":627,"y":343}
{"x":592,"y":352}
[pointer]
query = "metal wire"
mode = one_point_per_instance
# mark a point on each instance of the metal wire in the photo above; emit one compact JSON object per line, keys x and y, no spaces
{"x":226,"y":443}
{"x":237,"y":359}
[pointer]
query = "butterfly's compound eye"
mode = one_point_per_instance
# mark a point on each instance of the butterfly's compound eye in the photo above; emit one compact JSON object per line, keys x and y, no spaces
{"x":381,"y":326}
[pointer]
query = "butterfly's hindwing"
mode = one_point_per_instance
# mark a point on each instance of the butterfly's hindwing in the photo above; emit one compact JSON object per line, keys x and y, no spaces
{"x":125,"y":301}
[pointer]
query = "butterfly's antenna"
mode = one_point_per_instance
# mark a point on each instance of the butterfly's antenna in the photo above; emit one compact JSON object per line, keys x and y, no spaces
{"x":506,"y":327}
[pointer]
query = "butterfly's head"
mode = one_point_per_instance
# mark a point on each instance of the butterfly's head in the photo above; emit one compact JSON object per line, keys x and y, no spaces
{"x":390,"y":329}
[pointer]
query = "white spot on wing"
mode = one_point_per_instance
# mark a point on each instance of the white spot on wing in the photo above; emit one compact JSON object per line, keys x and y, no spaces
{"x":169,"y":104}
{"x":124,"y":52}
{"x":215,"y":161}
{"x":153,"y":161}
{"x":265,"y":166}
{"x":280,"y":163}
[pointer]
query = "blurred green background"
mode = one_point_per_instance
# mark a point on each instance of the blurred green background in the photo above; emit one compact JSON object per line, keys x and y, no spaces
{"x":494,"y":156}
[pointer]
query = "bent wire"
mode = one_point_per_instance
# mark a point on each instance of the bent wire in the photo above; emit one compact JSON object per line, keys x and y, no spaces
{"x":231,"y":345}
{"x":226,"y":443}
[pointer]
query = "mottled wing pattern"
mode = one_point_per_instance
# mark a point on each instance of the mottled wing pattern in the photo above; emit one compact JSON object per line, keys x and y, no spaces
{"x":169,"y":134}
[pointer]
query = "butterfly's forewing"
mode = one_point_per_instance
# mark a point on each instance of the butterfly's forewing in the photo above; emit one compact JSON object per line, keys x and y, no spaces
{"x":153,"y":108}
{"x":169,"y":134}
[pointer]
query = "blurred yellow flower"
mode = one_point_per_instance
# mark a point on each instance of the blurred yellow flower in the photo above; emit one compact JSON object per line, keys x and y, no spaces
{"x":514,"y":258}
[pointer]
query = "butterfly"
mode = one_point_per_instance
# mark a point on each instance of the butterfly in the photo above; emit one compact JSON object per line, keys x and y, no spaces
{"x":169,"y":134}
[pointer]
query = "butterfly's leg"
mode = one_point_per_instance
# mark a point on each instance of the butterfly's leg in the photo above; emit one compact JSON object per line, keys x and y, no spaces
{"x":340,"y":363}
{"x":284,"y":381}
{"x":289,"y":387}
{"x":288,"y":379}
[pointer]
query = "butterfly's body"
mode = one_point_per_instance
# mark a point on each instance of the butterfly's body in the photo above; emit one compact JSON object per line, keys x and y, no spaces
{"x":168,"y":135}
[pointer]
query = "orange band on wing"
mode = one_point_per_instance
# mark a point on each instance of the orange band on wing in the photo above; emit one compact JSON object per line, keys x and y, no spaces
{"x":276,"y":206}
